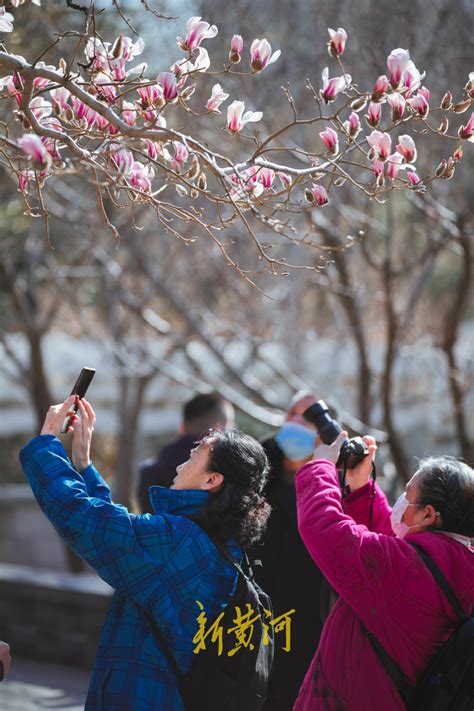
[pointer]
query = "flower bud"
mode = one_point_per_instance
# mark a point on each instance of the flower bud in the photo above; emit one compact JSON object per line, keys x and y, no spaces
{"x":462,"y":106}
{"x":194,"y":168}
{"x":359,"y":104}
{"x":117,"y":49}
{"x":202,"y":182}
{"x":309,"y":195}
{"x":91,"y":89}
{"x":380,"y":182}
{"x":188,"y":92}
{"x":194,"y":193}
{"x":440,"y":170}
{"x":458,"y":154}
{"x":447,"y":101}
{"x":181,"y":190}
{"x":443,"y":127}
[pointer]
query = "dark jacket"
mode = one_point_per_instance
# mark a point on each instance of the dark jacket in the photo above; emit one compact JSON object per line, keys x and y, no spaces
{"x":292,"y":580}
{"x":162,"y":470}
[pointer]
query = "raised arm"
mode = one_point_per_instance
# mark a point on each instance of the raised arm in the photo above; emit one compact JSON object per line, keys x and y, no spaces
{"x":102,"y":533}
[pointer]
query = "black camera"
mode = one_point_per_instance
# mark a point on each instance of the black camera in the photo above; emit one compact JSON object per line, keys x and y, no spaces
{"x":352,"y":450}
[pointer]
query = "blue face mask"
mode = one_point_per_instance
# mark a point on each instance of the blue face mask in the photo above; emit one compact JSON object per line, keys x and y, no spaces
{"x":296,"y":441}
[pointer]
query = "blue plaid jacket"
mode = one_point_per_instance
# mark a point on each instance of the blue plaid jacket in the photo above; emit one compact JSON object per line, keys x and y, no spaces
{"x":158,"y":564}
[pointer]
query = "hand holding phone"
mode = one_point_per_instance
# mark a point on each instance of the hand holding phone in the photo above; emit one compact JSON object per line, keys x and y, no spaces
{"x":79,"y":390}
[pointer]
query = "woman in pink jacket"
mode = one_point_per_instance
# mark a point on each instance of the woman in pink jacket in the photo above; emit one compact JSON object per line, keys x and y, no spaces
{"x":383,"y":584}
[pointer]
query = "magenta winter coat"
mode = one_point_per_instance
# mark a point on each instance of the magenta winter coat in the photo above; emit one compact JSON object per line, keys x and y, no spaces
{"x":382,"y":583}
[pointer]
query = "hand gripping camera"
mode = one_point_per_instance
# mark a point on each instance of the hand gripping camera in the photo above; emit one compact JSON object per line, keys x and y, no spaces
{"x":352,"y":450}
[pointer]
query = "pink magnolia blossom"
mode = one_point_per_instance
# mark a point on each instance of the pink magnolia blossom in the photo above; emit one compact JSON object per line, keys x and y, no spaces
{"x":470,"y":85}
{"x":40,"y":107}
{"x":381,"y":86}
{"x":60,"y":98}
{"x":319,"y":195}
{"x":129,"y":113}
{"x":168,"y":82}
{"x":329,"y":136}
{"x":378,"y":168}
{"x":151,"y":95}
{"x":140,"y":176}
{"x":406,"y":147}
{"x":6,"y":20}
{"x":394,"y":164}
{"x":467,"y":132}
{"x":217,"y":97}
{"x":35,"y":149}
{"x":176,"y":154}
{"x":413,"y":177}
{"x":26,"y":177}
{"x":419,"y":104}
{"x":285,"y":179}
{"x":397,"y":104}
{"x":381,"y":143}
{"x":236,"y":118}
{"x":197,"y":31}
{"x":352,"y":126}
{"x":261,"y":55}
{"x":14,"y":86}
{"x":411,"y":78}
{"x":123,"y":158}
{"x":337,"y":41}
{"x":40,"y":82}
{"x":333,"y":87}
{"x":374,"y":114}
{"x":105,"y":86}
{"x":266,"y":176}
{"x":236,"y":48}
{"x":84,"y":112}
{"x":397,"y":62}
{"x":154,"y":148}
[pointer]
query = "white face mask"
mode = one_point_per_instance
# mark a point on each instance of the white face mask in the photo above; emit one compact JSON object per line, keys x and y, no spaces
{"x":399,"y":528}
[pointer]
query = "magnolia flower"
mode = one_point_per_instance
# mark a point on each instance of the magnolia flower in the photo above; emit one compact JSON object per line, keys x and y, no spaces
{"x":317,"y":194}
{"x":40,"y":82}
{"x":40,"y":107}
{"x":236,"y":118}
{"x":84,"y":112}
{"x":394,"y":164}
{"x":261,"y":55}
{"x":105,"y":87}
{"x":406,"y":147}
{"x":6,"y":20}
{"x":266,"y":177}
{"x":397,"y":104}
{"x":168,"y":82}
{"x":337,"y":41}
{"x":467,"y":132}
{"x":352,"y":126}
{"x":17,"y":3}
{"x":123,"y":158}
{"x":151,"y":95}
{"x":236,"y":47}
{"x":202,"y":61}
{"x":381,"y":86}
{"x":374,"y":114}
{"x":413,"y":177}
{"x":176,"y":154}
{"x":197,"y":31}
{"x":378,"y":168}
{"x":469,"y":88}
{"x":35,"y":149}
{"x":419,"y":104}
{"x":411,"y":78}
{"x":329,"y":136}
{"x":140,"y":176}
{"x":285,"y":179}
{"x":60,"y":97}
{"x":333,"y":87}
{"x":381,"y":143}
{"x":129,"y":113}
{"x":396,"y":62}
{"x":217,"y":97}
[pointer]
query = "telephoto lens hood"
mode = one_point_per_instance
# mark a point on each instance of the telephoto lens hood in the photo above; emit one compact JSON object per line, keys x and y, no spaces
{"x":352,"y":450}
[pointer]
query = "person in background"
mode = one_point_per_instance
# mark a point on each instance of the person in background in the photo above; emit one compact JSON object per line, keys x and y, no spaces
{"x":5,"y":660}
{"x":288,"y":574}
{"x":385,"y":588}
{"x":200,"y":414}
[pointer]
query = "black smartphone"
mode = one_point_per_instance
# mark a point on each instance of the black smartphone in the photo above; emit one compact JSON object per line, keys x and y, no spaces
{"x":79,"y":390}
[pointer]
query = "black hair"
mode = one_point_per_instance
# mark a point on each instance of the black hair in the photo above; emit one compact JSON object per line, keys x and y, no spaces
{"x":448,"y":485}
{"x":205,"y":411}
{"x":238,"y":510}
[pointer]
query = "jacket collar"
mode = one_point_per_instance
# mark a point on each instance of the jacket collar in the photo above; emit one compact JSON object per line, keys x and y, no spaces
{"x":181,"y":502}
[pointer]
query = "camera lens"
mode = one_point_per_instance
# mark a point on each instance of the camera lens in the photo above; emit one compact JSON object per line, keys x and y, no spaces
{"x":318,"y":415}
